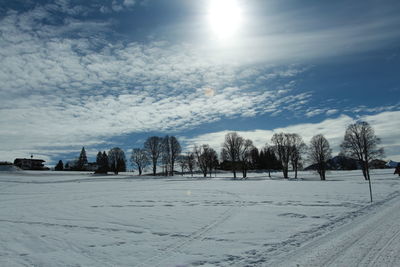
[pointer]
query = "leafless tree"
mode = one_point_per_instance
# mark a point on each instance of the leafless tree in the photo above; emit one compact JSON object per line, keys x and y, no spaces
{"x":170,"y":151}
{"x":140,"y":159}
{"x":282,"y":147}
{"x":190,"y":162}
{"x":245,"y":156}
{"x":205,"y":157}
{"x":231,"y":149}
{"x":361,"y":143}
{"x":165,"y":155}
{"x":153,"y":146}
{"x":318,"y":153}
{"x":298,"y":148}
{"x":117,"y":160}
{"x":182,"y":161}
{"x":212,"y":160}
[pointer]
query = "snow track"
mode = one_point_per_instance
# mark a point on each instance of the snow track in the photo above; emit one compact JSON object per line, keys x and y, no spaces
{"x":167,"y":252}
{"x":369,"y":240}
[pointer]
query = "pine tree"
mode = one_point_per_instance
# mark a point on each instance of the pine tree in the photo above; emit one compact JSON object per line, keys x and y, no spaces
{"x":105,"y":163}
{"x":102,"y":162}
{"x":82,"y":161}
{"x":59,"y":166}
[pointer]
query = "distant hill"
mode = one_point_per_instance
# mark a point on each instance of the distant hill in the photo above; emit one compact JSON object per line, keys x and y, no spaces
{"x":345,"y":163}
{"x":338,"y":163}
{"x":391,"y":164}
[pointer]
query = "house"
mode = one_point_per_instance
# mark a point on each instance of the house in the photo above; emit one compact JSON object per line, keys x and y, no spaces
{"x":30,"y":164}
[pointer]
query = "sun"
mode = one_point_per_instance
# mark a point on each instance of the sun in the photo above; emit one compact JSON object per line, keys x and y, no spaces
{"x":225,"y":17}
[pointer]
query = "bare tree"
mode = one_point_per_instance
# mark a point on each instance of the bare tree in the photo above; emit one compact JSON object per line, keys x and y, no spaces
{"x":211,"y":159}
{"x":170,"y":151}
{"x":298,"y":148}
{"x":282,"y":147}
{"x":318,"y":153}
{"x":190,"y":162}
{"x":245,"y":156}
{"x":361,"y":143}
{"x":182,"y":161}
{"x":153,"y":146}
{"x":140,"y":159}
{"x":165,"y":155}
{"x":231,"y":150}
{"x":117,"y":160}
{"x":175,"y":150}
{"x":205,"y":157}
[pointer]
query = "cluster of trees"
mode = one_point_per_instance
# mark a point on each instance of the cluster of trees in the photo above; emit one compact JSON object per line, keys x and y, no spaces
{"x":113,"y":161}
{"x":286,"y":150}
{"x":289,"y":150}
{"x":157,"y":151}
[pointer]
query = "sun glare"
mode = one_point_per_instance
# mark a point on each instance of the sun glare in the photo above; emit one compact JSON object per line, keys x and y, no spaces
{"x":225,"y":17}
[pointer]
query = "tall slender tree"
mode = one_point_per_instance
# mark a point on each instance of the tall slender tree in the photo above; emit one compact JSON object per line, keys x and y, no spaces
{"x":319,"y":153}
{"x":191,"y":161}
{"x":298,"y":148}
{"x":154,"y":146}
{"x":170,"y":151}
{"x":245,"y":156}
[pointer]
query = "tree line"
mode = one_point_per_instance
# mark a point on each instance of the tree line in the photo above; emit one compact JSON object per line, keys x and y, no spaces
{"x":286,"y":150}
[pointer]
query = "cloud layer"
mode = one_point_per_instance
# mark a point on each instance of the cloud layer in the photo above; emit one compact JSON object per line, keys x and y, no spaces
{"x":62,"y":87}
{"x":69,"y":77}
{"x":385,"y":124}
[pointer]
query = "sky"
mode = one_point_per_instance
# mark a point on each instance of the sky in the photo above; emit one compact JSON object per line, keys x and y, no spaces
{"x":102,"y":74}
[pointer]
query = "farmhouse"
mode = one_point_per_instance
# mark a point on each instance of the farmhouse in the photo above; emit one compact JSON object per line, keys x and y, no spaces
{"x":30,"y":164}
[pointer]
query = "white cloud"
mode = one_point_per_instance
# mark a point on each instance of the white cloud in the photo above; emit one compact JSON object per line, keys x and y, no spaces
{"x":314,"y":112}
{"x":386,"y":127}
{"x":60,"y":91}
{"x":331,"y":112}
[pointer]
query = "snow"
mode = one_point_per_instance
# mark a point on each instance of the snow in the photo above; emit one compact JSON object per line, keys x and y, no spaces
{"x":9,"y":168}
{"x":80,"y":219}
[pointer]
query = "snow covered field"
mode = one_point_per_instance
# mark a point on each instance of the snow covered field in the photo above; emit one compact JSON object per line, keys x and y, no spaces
{"x":78,"y":219}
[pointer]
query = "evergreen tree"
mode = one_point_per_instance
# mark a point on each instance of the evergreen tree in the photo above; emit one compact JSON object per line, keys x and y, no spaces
{"x":82,"y":161}
{"x":99,"y":158}
{"x":105,"y":164}
{"x":59,"y":166}
{"x":102,"y":162}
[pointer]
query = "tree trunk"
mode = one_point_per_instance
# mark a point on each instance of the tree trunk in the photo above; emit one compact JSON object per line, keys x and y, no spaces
{"x":140,"y":171}
{"x":154,"y":169}
{"x":285,"y":172}
{"x":172,"y":167}
{"x":364,"y":171}
{"x":269,"y":173}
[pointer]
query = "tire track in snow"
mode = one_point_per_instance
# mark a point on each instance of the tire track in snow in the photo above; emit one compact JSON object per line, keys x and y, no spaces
{"x":164,"y":255}
{"x":380,"y":253}
{"x":365,"y":241}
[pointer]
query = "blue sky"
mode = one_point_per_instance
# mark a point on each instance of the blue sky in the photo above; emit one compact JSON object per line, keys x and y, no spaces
{"x":101,"y":74}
